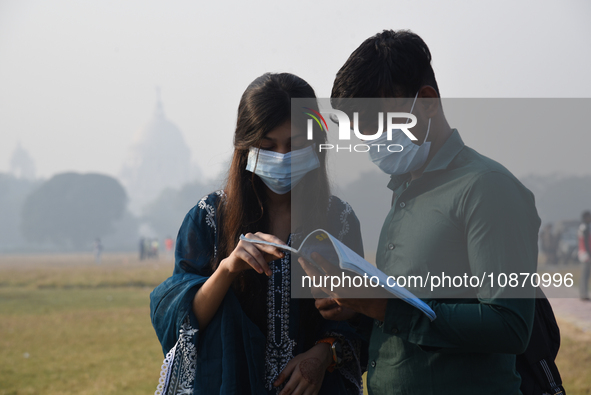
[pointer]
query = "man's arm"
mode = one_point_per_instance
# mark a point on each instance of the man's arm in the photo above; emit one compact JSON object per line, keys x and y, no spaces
{"x":502,"y":326}
{"x":501,"y":227}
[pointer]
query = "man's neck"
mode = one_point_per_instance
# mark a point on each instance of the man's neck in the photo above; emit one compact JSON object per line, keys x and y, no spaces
{"x":442,"y":133}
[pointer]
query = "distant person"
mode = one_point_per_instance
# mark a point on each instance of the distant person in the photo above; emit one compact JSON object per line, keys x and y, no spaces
{"x":155,"y":247}
{"x":98,"y":250}
{"x":585,"y":254}
{"x":142,"y":249}
{"x":169,"y":245}
{"x":147,"y":248}
{"x":549,"y":244}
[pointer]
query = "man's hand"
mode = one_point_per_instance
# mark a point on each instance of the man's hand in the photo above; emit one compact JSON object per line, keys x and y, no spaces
{"x":351,"y":298}
{"x":330,"y":309}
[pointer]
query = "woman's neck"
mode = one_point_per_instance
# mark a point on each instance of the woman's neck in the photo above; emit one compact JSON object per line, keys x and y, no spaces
{"x":279,"y":202}
{"x":279,"y":207}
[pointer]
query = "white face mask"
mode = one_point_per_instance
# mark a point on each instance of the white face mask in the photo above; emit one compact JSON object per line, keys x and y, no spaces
{"x":407,"y":157}
{"x":281,"y":172}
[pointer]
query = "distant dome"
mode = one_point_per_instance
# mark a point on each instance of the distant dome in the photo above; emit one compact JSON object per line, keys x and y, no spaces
{"x":22,"y":164}
{"x":158,"y":158}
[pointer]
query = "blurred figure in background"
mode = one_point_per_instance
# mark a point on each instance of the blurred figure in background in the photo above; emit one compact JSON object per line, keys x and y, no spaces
{"x":168,"y":244}
{"x":585,"y":253}
{"x":98,"y":250}
{"x":142,"y":248}
{"x":549,"y":242}
{"x":154,"y":247}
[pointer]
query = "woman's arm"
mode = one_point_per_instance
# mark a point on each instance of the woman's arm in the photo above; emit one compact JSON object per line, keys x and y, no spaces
{"x":245,"y":256}
{"x":208,"y":298}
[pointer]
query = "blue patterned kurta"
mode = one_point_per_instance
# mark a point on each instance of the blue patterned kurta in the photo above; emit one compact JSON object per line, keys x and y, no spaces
{"x":232,"y":355}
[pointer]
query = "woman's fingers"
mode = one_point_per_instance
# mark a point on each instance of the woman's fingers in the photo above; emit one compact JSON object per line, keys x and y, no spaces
{"x":305,"y":372}
{"x":301,"y":388}
{"x":274,"y":251}
{"x":292,"y":384}
{"x":254,"y":253}
{"x":258,"y":256}
{"x":315,"y":390}
{"x":286,"y":372}
{"x":245,"y":256}
{"x":270,"y":238}
{"x":296,"y":385}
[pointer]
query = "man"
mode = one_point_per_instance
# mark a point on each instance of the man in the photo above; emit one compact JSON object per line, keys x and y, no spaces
{"x":451,"y":208}
{"x":549,"y":244}
{"x":585,"y":253}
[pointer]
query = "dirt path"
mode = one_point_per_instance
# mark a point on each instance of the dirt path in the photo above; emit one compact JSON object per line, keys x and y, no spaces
{"x":568,"y":307}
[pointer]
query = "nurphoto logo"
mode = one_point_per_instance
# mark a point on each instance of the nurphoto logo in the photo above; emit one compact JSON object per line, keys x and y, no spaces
{"x":344,"y":123}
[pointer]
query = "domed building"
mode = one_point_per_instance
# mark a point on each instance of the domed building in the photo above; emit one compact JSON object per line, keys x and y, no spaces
{"x":158,"y":158}
{"x":22,"y":164}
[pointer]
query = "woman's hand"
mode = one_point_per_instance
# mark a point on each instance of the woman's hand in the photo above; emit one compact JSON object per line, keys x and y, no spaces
{"x":245,"y":256}
{"x":306,"y":371}
{"x":253,"y":256}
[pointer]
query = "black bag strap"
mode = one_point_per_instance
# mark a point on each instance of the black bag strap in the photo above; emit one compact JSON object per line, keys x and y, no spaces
{"x":536,"y":365}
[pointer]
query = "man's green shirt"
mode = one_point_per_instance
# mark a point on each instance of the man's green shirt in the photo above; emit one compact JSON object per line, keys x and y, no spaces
{"x":465,"y":214}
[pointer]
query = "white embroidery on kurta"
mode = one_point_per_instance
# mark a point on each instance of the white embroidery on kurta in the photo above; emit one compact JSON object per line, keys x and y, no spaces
{"x":177,"y":375}
{"x":280,"y":346}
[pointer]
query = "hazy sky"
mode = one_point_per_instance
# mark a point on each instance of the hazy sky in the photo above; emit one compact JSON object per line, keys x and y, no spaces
{"x":78,"y":78}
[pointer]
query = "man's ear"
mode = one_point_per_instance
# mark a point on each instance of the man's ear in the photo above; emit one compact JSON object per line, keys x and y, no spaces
{"x":429,"y":100}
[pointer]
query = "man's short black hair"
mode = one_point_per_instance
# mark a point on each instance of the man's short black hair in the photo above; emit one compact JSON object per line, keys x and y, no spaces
{"x":585,"y":214}
{"x":389,"y":64}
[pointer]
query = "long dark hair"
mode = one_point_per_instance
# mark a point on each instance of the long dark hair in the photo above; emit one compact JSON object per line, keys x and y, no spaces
{"x":265,"y":105}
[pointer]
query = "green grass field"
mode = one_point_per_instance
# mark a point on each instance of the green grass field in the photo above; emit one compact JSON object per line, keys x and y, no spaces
{"x":70,"y":326}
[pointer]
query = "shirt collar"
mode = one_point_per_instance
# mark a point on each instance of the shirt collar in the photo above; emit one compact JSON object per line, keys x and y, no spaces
{"x":448,"y":151}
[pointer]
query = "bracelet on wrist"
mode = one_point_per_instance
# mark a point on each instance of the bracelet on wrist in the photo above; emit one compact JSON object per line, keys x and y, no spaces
{"x":336,"y":351}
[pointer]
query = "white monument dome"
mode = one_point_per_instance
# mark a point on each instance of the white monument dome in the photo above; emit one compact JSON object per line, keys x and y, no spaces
{"x":158,"y":158}
{"x":22,"y":164}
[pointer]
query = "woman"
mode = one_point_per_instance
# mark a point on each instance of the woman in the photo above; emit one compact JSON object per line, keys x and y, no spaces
{"x":225,"y":319}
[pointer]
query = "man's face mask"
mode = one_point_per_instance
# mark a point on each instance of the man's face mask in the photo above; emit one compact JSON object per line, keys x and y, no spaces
{"x":410,"y":158}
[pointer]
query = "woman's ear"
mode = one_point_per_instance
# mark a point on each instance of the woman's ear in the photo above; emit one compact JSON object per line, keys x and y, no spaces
{"x":429,"y":100}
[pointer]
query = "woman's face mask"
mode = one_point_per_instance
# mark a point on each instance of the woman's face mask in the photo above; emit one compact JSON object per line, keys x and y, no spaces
{"x":281,"y":172}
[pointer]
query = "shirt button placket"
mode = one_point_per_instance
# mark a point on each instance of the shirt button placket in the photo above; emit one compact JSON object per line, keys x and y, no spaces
{"x":373,"y":364}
